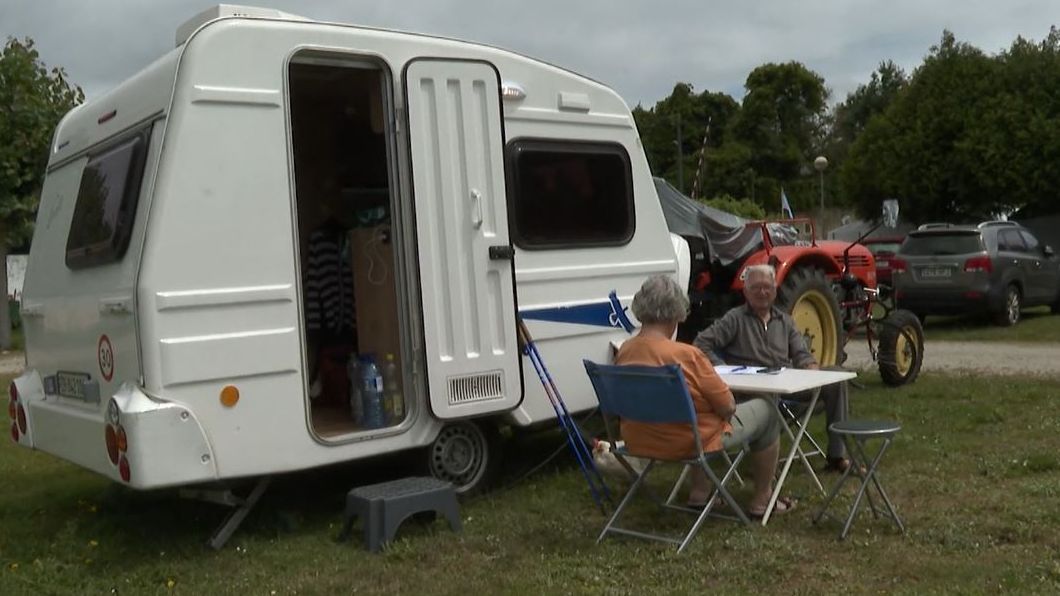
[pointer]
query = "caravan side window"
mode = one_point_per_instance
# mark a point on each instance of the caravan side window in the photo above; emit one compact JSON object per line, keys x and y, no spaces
{"x":569,"y":194}
{"x":106,"y":204}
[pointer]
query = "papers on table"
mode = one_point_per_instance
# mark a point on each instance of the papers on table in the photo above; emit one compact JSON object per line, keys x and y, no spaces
{"x":726,"y":369}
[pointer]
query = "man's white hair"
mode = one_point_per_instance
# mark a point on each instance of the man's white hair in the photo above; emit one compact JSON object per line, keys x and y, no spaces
{"x":763,"y":269}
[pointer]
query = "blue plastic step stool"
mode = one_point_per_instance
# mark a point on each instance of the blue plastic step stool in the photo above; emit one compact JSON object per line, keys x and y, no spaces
{"x":383,"y":507}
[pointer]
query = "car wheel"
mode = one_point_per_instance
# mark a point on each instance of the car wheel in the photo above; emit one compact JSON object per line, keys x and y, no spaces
{"x":465,"y":454}
{"x":901,"y":348}
{"x":1010,"y":313}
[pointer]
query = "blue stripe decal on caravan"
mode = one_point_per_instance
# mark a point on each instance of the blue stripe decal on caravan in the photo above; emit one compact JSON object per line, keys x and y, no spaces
{"x":599,"y":314}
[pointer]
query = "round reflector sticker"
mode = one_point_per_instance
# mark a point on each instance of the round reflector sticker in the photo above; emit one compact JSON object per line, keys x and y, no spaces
{"x":106,"y":358}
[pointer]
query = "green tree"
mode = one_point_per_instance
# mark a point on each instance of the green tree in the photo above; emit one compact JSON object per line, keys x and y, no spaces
{"x":971,"y":135}
{"x":782,"y":122}
{"x":32,"y":100}
{"x":658,"y":128}
{"x":850,"y":118}
{"x":745,"y":208}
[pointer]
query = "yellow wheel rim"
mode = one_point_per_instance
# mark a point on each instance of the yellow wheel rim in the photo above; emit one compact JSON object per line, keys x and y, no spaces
{"x":815,"y":320}
{"x":903,"y":351}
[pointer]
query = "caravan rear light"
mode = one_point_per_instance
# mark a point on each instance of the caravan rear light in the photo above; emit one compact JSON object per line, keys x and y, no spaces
{"x":112,"y":444}
{"x":11,"y":409}
{"x":229,"y":396}
{"x":22,"y":419}
{"x":123,"y":469}
{"x":977,"y":264}
{"x":123,"y":440}
{"x":14,"y":432}
{"x":13,"y":389}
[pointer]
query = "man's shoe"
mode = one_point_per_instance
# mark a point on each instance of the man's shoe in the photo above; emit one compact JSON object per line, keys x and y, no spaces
{"x":840,"y":465}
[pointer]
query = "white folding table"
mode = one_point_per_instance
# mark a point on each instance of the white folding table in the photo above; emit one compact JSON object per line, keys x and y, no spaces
{"x":786,"y":382}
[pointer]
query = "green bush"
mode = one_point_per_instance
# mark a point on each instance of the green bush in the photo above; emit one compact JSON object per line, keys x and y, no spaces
{"x":743,"y":207}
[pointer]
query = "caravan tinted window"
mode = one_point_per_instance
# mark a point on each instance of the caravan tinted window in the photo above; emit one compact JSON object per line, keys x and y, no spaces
{"x":565,"y":193}
{"x":106,"y":204}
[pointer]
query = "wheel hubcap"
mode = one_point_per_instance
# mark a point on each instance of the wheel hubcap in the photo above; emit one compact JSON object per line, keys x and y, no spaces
{"x":903,"y":351}
{"x":1013,"y":307}
{"x":814,"y":318}
{"x":459,"y":454}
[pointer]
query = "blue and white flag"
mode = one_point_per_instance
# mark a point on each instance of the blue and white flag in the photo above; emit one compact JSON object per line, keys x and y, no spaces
{"x":785,"y":207}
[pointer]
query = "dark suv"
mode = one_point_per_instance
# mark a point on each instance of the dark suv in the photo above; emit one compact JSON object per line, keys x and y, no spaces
{"x":997,"y":267}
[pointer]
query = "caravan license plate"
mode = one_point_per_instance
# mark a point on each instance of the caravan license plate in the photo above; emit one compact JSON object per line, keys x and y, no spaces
{"x":71,"y":384}
{"x":935,"y":272}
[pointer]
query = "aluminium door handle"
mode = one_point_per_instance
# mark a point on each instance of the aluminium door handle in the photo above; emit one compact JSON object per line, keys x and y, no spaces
{"x":476,"y":208}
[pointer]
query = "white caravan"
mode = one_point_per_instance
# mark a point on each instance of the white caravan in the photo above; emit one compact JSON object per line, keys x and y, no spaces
{"x":170,"y":339}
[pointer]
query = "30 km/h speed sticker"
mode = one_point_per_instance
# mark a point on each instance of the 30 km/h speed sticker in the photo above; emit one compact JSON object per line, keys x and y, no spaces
{"x":105,"y":353}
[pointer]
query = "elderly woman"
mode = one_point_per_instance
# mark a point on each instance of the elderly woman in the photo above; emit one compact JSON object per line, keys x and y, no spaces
{"x":660,"y":305}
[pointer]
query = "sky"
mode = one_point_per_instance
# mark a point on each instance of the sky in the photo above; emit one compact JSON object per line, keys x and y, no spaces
{"x":638,"y":48}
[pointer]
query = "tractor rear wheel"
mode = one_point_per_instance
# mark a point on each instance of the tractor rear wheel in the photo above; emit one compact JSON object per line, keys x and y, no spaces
{"x":807,"y":296}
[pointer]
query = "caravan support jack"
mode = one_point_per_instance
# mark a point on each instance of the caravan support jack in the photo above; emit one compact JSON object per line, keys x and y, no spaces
{"x":228,"y":498}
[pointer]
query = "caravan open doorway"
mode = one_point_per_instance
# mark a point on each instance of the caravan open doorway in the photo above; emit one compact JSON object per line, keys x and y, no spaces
{"x":343,"y":195}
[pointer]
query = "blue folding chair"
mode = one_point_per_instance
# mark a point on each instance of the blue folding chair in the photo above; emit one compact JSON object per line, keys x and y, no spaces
{"x":657,"y":395}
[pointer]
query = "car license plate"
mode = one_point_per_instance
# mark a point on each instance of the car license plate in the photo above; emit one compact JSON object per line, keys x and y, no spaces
{"x":935,"y":272}
{"x":71,"y":384}
{"x":883,"y":264}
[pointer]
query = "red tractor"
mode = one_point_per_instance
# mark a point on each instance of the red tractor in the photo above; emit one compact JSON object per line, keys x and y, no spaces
{"x":829,"y":287}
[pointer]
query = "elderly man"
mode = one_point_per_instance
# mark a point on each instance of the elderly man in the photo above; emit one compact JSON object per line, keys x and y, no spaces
{"x":722,"y":423}
{"x":759,"y":334}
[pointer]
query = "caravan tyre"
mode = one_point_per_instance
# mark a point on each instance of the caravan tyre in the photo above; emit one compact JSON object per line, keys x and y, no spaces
{"x":465,"y":454}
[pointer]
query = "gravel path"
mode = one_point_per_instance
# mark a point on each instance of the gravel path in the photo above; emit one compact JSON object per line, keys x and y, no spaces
{"x":1038,"y":359}
{"x":11,"y":363}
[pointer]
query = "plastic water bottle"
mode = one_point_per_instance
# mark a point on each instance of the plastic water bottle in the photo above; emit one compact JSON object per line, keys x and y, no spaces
{"x":353,"y":373}
{"x":395,"y":404}
{"x":372,"y":393}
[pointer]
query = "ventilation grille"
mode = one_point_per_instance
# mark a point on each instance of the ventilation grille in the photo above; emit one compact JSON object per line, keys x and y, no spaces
{"x":859,"y":261}
{"x":480,"y":387}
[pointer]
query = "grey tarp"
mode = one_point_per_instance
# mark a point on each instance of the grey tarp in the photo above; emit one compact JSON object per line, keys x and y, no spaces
{"x":727,"y":236}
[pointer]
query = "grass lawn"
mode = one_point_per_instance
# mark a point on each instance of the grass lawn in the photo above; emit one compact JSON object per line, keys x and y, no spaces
{"x":1036,"y":325}
{"x":975,"y":473}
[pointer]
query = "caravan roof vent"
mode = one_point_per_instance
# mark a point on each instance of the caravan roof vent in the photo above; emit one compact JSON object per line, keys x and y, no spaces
{"x":230,"y":10}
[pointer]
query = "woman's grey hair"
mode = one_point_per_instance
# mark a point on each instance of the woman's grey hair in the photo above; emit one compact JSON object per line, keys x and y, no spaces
{"x":766,"y":270}
{"x":660,"y":300}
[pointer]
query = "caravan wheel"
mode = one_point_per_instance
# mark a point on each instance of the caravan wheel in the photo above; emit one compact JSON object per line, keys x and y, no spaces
{"x":465,"y":454}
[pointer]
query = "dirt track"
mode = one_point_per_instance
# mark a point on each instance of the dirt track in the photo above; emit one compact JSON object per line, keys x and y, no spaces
{"x":1038,"y":359}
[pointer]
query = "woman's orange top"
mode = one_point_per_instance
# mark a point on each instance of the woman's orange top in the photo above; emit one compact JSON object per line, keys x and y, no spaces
{"x":709,"y":393}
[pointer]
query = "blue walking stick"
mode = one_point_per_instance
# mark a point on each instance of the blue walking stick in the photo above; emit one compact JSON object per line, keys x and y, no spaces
{"x":575,"y":439}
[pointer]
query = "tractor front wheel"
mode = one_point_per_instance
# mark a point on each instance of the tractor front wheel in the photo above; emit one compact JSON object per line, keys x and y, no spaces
{"x":807,"y":296}
{"x":901,"y":348}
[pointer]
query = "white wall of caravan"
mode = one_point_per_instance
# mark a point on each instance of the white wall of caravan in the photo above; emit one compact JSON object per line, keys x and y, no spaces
{"x":565,"y":277}
{"x":219,"y":273}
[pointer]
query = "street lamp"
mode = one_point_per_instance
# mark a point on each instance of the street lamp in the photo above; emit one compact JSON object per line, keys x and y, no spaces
{"x":821,"y":164}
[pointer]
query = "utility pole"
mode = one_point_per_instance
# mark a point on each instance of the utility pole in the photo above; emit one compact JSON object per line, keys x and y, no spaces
{"x":680,"y":157}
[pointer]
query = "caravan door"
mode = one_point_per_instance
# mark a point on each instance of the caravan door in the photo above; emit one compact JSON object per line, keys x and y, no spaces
{"x":464,"y":250}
